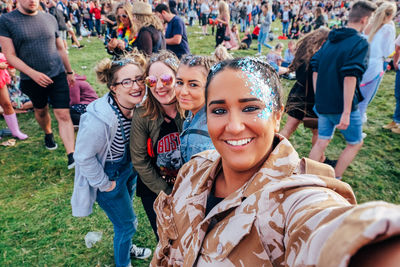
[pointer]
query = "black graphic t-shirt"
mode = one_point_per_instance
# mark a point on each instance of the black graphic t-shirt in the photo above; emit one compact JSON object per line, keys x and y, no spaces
{"x":167,"y":154}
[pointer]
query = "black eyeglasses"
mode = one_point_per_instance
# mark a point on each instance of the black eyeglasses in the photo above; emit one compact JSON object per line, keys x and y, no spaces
{"x":128,"y":83}
{"x":123,"y":15}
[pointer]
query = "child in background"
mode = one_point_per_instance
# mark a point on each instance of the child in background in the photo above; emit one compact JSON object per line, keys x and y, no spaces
{"x":9,"y":113}
{"x":19,"y":100}
{"x":81,"y":94}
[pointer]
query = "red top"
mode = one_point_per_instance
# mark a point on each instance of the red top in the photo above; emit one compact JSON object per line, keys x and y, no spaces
{"x":96,"y":11}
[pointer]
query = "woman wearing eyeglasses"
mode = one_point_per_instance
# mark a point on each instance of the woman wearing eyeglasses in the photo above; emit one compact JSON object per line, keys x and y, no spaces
{"x":155,"y":133}
{"x":104,"y":171}
{"x":123,"y":36}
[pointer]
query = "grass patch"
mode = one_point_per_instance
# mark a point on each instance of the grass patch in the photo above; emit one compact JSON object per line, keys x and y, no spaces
{"x":36,"y":225}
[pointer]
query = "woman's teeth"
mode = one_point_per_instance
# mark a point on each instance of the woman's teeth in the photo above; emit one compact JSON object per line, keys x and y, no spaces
{"x":136,"y":94}
{"x":239,"y":142}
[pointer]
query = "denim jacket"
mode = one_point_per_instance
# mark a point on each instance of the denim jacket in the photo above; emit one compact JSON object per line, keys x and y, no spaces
{"x":97,"y":129}
{"x":194,"y":137}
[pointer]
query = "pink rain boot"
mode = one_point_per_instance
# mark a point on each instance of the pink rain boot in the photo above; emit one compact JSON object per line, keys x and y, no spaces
{"x":12,"y":123}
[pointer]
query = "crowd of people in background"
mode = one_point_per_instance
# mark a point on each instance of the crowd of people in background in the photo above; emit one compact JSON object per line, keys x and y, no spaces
{"x":163,"y":108}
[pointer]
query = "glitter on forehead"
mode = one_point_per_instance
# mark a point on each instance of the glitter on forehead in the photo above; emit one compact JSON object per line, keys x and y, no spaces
{"x":258,"y":84}
{"x":172,"y":62}
{"x":169,"y":61}
{"x":214,"y":69}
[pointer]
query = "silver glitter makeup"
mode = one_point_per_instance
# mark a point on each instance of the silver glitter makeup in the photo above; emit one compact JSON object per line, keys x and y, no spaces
{"x":258,"y":83}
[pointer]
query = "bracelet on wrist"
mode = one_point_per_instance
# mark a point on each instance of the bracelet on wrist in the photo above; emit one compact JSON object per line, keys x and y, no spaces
{"x":70,"y":72}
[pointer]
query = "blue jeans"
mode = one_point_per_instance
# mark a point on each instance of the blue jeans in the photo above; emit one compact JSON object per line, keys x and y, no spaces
{"x":98,"y":26}
{"x":242,"y":25}
{"x":285,"y":28}
{"x":327,"y":125}
{"x":89,"y":24}
{"x":368,"y":92}
{"x":117,"y":204}
{"x":262,"y":40}
{"x":396,"y":115}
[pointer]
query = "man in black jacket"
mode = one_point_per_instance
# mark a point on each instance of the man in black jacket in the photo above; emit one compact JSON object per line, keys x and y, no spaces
{"x":338,"y":68}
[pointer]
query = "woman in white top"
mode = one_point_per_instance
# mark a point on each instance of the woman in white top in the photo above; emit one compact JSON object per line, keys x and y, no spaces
{"x":381,"y":35}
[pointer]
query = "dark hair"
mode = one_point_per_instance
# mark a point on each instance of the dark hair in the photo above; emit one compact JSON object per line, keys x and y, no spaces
{"x":162,"y":7}
{"x":253,"y":66}
{"x":361,"y":9}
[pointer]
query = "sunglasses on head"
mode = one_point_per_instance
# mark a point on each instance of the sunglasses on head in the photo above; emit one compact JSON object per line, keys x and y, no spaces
{"x":166,"y":80}
{"x":123,"y":16}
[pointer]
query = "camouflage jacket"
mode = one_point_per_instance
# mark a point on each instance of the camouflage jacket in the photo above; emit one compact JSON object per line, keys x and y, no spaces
{"x":292,"y":212}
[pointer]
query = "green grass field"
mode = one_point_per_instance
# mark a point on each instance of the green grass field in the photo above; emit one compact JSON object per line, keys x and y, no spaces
{"x":36,"y":225}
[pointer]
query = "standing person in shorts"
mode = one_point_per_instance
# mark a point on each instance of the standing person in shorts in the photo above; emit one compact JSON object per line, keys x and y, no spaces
{"x":337,"y":71}
{"x":31,"y":43}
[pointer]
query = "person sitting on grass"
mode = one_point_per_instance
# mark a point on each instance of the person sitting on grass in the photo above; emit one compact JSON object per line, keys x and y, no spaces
{"x":81,"y":94}
{"x":19,"y":100}
{"x":246,"y":41}
{"x":289,"y":54}
{"x":274,"y":57}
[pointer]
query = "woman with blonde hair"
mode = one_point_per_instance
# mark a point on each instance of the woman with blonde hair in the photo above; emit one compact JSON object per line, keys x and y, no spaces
{"x":224,"y":33}
{"x":123,"y":36}
{"x":155,"y":134}
{"x":103,"y":170}
{"x":150,"y":38}
{"x":381,"y":35}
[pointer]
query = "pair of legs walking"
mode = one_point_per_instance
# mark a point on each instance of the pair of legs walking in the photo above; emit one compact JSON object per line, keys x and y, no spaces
{"x":353,"y":136}
{"x":262,"y":40}
{"x":57,"y":94}
{"x":65,"y":126}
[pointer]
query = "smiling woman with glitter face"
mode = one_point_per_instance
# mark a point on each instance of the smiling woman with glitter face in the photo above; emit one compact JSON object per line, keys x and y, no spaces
{"x":253,"y":201}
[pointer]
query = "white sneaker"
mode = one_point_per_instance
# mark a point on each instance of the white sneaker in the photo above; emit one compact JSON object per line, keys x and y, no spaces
{"x":363,"y":135}
{"x":258,"y":54}
{"x":140,"y":253}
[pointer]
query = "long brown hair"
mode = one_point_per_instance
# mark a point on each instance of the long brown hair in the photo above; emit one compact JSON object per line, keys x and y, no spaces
{"x":308,"y":46}
{"x":152,"y":106}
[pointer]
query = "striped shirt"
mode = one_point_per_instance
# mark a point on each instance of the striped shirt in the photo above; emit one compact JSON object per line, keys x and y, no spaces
{"x":118,"y":143}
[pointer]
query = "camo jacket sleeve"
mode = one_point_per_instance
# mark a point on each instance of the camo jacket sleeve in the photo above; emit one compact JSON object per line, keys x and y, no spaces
{"x":292,"y":212}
